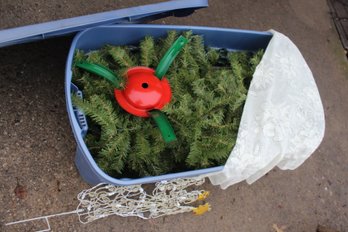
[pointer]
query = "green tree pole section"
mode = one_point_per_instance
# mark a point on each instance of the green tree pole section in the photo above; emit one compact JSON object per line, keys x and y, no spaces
{"x":164,"y":126}
{"x":103,"y":72}
{"x":169,"y":57}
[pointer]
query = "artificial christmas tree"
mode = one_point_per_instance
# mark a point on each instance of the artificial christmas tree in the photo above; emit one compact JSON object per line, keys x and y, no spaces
{"x":209,"y":87}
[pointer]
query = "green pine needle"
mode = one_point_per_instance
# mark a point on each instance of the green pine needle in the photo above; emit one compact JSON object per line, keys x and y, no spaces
{"x":147,"y":48}
{"x":121,"y":56}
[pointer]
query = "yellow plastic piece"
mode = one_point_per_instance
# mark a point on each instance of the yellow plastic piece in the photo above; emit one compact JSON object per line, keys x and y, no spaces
{"x":203,"y":195}
{"x":202,"y":209}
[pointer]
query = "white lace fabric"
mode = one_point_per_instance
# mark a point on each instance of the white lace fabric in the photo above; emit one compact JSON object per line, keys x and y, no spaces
{"x":283,"y":117}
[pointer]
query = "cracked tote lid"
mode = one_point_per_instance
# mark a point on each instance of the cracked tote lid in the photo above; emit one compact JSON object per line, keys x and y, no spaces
{"x":138,"y":14}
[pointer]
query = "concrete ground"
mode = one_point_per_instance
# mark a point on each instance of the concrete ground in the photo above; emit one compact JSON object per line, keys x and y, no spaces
{"x":37,"y":172}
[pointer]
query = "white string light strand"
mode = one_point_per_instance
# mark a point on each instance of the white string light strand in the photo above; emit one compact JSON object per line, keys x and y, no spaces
{"x":102,"y":200}
{"x":168,"y":197}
